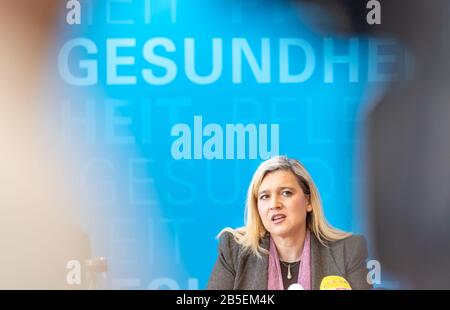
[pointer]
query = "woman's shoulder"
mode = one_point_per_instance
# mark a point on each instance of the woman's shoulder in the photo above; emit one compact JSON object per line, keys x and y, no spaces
{"x":228,"y":242}
{"x":355,"y":247}
{"x":352,"y":239}
{"x":231,"y":247}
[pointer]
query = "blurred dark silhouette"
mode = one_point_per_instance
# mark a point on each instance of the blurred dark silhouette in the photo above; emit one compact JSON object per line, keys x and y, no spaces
{"x":408,"y":149}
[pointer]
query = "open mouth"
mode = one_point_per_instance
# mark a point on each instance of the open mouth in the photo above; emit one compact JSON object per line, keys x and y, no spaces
{"x":278,"y":218}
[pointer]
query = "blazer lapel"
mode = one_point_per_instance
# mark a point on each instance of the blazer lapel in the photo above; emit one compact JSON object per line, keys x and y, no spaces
{"x":322,"y":263}
{"x":262,"y":266}
{"x":317,"y":265}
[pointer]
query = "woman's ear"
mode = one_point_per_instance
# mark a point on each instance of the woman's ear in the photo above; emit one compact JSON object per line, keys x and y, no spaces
{"x":308,"y":206}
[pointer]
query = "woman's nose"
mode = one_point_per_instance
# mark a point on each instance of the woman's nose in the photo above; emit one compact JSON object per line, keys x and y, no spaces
{"x":275,"y":204}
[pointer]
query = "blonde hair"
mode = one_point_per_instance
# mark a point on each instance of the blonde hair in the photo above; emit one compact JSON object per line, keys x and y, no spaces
{"x":250,"y":235}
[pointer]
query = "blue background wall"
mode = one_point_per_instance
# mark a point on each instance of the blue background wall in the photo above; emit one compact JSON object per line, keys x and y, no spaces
{"x":154,"y":217}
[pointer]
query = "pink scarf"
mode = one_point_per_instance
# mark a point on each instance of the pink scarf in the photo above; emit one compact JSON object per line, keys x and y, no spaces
{"x":275,"y":282}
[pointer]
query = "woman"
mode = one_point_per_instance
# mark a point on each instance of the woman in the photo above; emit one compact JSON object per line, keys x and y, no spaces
{"x":287,"y":242}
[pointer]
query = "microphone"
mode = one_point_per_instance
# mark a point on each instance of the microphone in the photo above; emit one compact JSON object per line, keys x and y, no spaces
{"x":295,"y":287}
{"x":334,"y":283}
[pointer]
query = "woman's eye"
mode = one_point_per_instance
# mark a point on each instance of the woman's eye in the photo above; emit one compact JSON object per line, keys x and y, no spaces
{"x":263,"y":197}
{"x":287,"y":193}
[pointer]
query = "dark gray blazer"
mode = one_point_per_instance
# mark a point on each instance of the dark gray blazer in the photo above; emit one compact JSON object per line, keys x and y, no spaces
{"x":240,"y":270}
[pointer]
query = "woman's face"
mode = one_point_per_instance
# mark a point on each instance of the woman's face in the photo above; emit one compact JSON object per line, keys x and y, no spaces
{"x":282,"y":205}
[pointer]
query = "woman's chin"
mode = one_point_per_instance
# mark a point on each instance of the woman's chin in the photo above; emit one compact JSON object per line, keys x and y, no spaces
{"x":284,"y":230}
{"x":280,"y":231}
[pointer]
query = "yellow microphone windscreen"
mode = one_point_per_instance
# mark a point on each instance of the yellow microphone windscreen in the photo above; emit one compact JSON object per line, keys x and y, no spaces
{"x":334,"y":283}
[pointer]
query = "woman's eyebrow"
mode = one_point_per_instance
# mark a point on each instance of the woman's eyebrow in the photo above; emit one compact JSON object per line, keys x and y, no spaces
{"x":277,"y":189}
{"x":263,"y":192}
{"x":285,"y":187}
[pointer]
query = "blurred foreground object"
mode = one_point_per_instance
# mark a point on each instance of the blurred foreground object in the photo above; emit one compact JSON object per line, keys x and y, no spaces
{"x":409,"y":152}
{"x":408,"y":149}
{"x":37,"y":237}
